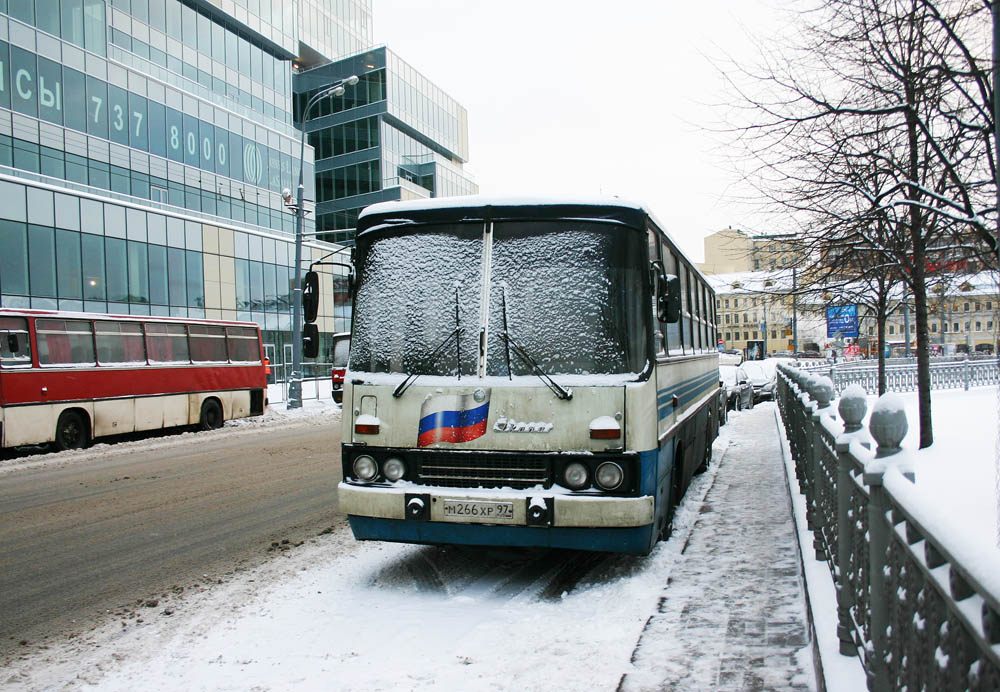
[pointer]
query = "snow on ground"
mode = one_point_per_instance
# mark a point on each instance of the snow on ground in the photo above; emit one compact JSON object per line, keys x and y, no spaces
{"x":337,"y":614}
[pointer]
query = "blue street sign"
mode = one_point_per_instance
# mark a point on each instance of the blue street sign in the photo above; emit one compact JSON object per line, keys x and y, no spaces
{"x":842,"y":320}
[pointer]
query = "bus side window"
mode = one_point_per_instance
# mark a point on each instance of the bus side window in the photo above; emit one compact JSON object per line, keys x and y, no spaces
{"x":119,"y":342}
{"x":167,"y":343}
{"x":65,"y":342}
{"x":659,"y":342}
{"x":671,"y":330}
{"x":243,"y":345}
{"x":15,"y":347}
{"x":208,"y":344}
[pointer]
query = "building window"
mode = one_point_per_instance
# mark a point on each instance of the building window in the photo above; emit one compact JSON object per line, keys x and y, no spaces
{"x":979,"y":326}
{"x":736,"y":302}
{"x":727,"y":302}
{"x":965,"y":307}
{"x":934,"y":328}
{"x":954,"y":327}
{"x":892,"y":329}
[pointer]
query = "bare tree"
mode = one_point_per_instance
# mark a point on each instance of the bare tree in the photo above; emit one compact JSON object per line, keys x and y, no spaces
{"x":865,"y":132}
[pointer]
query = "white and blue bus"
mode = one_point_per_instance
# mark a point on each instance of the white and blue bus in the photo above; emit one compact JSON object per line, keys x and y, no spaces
{"x":524,"y":373}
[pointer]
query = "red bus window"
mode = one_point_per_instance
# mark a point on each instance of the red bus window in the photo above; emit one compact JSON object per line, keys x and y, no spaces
{"x":15,"y":346}
{"x":167,"y":343}
{"x":119,"y":342}
{"x":208,"y":344}
{"x":244,"y":346}
{"x":65,"y":342}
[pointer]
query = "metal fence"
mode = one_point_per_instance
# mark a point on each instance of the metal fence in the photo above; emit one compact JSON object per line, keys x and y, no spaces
{"x":946,"y":373}
{"x":915,"y":615}
{"x":315,"y":379}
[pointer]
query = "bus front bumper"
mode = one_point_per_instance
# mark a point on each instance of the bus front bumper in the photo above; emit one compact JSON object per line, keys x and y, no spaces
{"x":530,"y":508}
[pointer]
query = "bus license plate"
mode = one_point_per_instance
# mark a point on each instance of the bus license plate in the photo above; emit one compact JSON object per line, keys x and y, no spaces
{"x":478,"y":511}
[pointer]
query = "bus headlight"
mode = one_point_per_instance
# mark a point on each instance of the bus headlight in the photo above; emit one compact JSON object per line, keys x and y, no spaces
{"x":365,"y":468}
{"x":394,"y":469}
{"x":575,"y":475}
{"x":609,"y":475}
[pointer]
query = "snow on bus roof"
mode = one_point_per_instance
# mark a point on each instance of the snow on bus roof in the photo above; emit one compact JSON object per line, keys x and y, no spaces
{"x":498,"y":201}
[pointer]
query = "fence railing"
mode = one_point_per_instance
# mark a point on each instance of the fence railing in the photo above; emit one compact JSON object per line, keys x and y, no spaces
{"x":914,"y":614}
{"x":945,"y":374}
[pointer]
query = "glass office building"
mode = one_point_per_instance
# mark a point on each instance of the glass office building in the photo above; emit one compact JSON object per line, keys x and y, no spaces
{"x":394,"y":135}
{"x":143,"y":148}
{"x":144,"y":145}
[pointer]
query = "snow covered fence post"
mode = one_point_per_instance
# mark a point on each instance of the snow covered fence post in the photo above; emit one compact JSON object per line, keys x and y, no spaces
{"x":852,"y":408}
{"x":888,"y":426}
{"x":823,"y":476}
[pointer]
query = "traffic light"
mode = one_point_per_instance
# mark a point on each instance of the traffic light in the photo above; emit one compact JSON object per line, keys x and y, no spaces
{"x":310,"y":340}
{"x":310,"y":296}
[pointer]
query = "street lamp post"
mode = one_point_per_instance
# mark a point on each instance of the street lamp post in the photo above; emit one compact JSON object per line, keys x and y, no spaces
{"x":294,"y":399}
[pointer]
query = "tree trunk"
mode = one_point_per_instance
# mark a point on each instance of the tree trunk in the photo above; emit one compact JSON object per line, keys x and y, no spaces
{"x":916,"y":222}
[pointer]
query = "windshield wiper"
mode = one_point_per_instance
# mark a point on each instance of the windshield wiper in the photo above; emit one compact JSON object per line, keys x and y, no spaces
{"x":456,"y":334}
{"x":560,"y":392}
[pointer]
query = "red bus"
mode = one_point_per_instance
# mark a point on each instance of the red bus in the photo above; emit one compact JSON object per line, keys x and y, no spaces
{"x":69,"y":377}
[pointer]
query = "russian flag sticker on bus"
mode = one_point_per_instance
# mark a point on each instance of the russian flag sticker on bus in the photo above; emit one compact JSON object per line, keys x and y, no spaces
{"x":453,"y":417}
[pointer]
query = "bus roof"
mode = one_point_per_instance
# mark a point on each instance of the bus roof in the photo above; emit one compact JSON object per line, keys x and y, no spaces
{"x":477,"y":207}
{"x":471,"y":208}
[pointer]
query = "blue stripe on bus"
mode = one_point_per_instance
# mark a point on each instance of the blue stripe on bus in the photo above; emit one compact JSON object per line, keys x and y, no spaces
{"x":454,"y":419}
{"x":624,"y":540}
{"x":686,"y":392}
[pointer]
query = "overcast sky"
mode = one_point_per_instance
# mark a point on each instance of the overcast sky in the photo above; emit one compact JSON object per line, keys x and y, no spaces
{"x":589,"y":97}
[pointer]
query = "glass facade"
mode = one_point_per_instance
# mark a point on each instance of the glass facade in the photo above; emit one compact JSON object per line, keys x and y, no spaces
{"x":143,"y":147}
{"x":394,"y":135}
{"x":336,"y":28}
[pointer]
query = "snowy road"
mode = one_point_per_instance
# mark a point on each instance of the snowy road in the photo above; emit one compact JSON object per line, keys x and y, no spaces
{"x":86,"y":531}
{"x":337,"y":614}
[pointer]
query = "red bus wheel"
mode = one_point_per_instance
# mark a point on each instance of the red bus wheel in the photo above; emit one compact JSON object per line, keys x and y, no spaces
{"x":72,"y":431}
{"x":211,"y":415}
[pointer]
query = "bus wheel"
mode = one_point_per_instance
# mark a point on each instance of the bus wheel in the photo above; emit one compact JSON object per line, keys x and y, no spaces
{"x":211,"y":415}
{"x":71,"y":431}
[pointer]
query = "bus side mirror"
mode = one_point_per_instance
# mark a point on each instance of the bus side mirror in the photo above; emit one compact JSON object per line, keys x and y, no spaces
{"x":668,"y":298}
{"x":310,"y":296}
{"x":310,"y":340}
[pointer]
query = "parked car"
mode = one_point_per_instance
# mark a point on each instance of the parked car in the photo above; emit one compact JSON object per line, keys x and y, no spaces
{"x":762,"y":375}
{"x":739,"y":391}
{"x":341,"y":351}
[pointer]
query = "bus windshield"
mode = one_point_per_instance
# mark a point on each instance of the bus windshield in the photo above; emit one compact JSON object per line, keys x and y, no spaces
{"x":568,"y":293}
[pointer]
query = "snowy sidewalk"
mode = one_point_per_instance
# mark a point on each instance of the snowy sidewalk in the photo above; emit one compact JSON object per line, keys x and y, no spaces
{"x":733,"y":614}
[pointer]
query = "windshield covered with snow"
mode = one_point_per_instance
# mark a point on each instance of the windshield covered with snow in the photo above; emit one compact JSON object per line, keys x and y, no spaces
{"x":571,"y":291}
{"x":405,"y":307}
{"x":573,"y":297}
